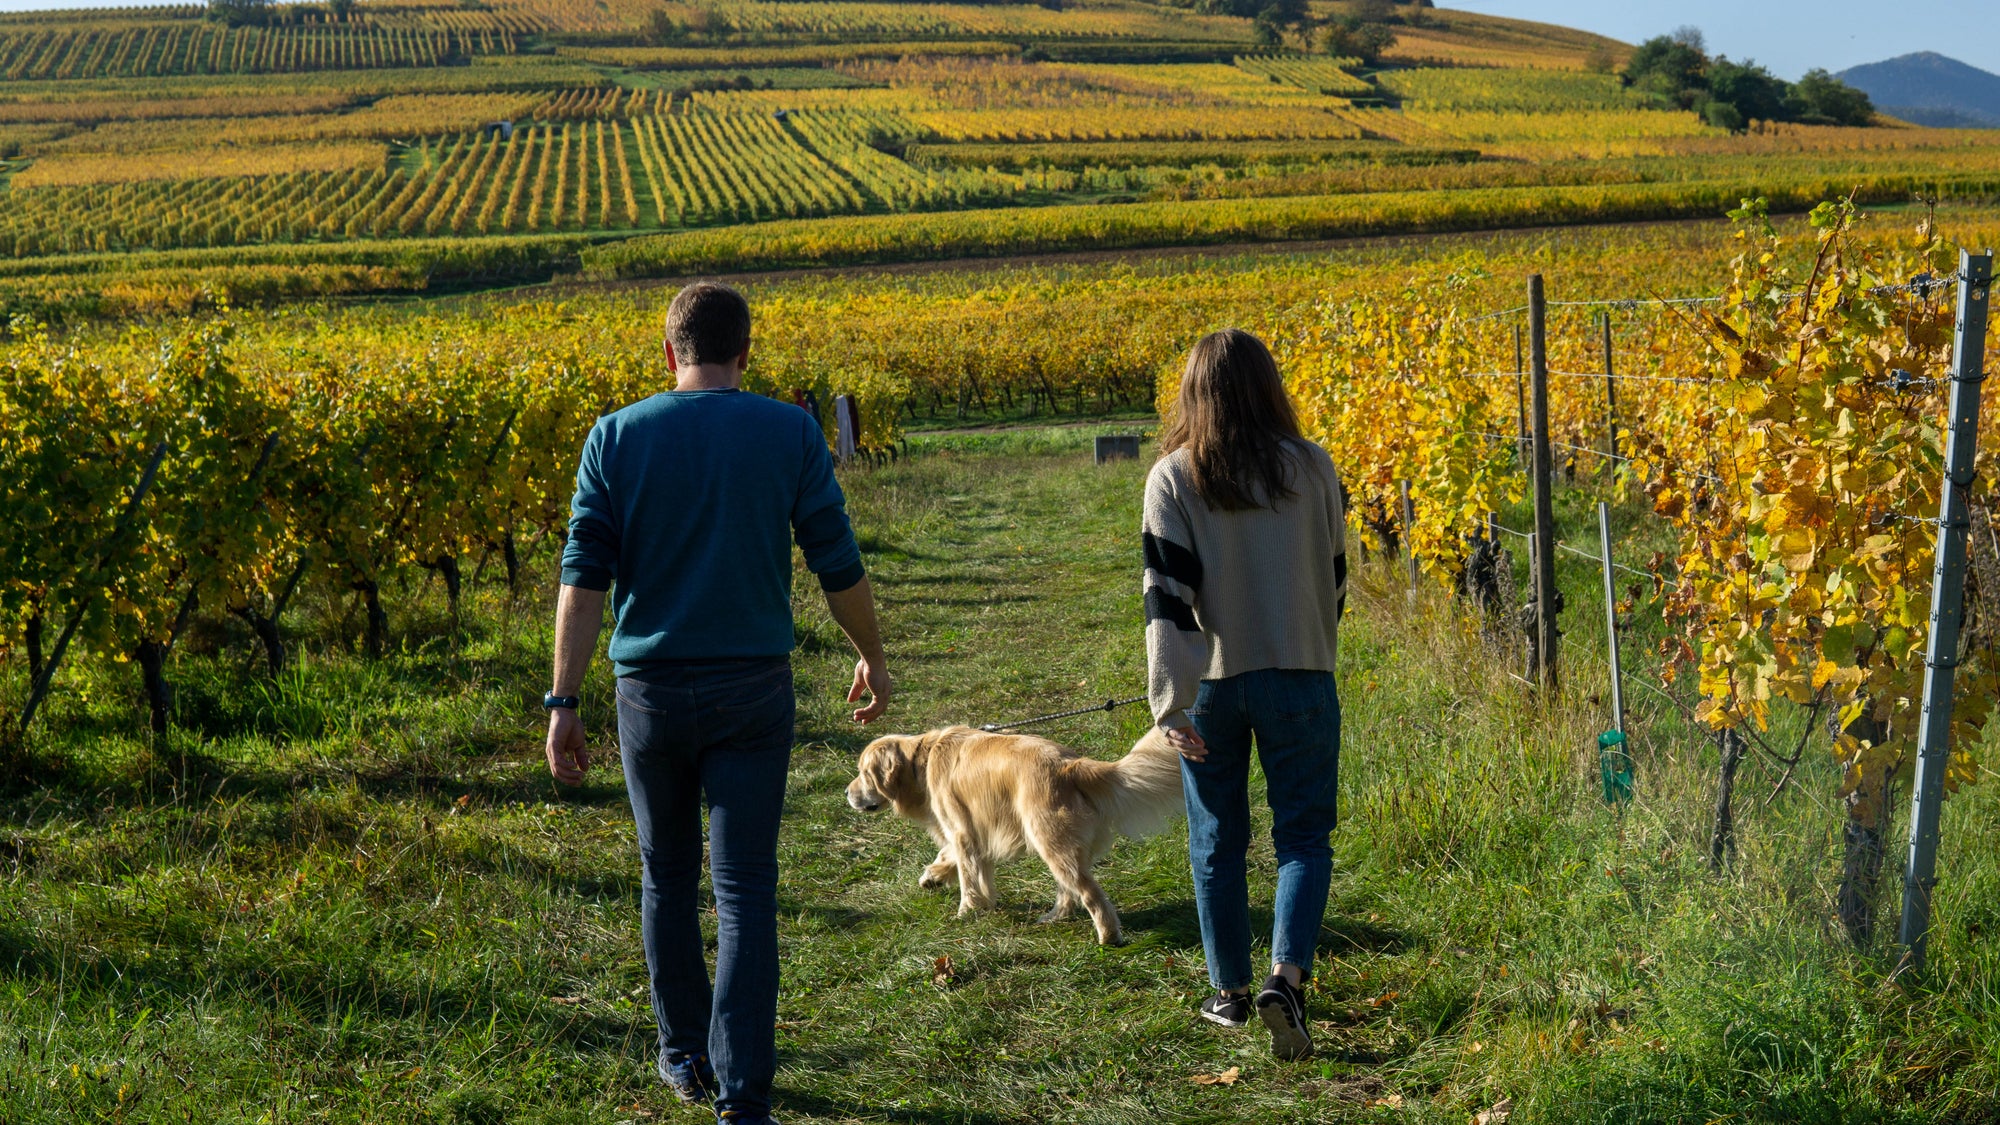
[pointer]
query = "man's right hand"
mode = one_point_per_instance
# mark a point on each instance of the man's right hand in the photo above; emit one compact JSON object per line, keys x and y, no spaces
{"x":569,"y":758}
{"x":871,"y":678}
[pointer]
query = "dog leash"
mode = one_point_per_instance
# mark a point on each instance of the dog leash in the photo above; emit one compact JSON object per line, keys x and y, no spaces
{"x":1107,"y":705}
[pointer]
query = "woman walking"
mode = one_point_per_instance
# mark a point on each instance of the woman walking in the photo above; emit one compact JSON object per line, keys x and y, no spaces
{"x":1246,"y":577}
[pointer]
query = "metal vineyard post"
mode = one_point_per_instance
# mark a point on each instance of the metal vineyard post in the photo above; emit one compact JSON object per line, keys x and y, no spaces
{"x":1975,"y":279}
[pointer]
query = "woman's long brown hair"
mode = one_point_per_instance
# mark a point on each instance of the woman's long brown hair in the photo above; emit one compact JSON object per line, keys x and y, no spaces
{"x":1233,"y":418}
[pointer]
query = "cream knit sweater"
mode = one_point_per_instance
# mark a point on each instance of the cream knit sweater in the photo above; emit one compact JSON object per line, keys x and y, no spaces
{"x":1234,"y":592}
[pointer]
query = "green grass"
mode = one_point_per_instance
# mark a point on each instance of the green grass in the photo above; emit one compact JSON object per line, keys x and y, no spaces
{"x":354,"y":895}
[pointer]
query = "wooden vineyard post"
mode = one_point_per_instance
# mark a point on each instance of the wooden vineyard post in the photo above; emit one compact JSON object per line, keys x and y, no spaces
{"x":1610,"y":393}
{"x":1521,"y":398}
{"x":1409,"y":533}
{"x":1975,"y":279}
{"x":1542,"y":654}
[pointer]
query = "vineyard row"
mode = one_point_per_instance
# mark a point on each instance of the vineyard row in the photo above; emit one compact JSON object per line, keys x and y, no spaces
{"x":158,"y":50}
{"x":649,"y":172}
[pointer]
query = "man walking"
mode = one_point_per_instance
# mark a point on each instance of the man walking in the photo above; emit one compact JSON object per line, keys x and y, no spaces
{"x":687,"y":504}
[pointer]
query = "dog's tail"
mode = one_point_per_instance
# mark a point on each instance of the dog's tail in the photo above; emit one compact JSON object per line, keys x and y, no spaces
{"x":1141,"y":792}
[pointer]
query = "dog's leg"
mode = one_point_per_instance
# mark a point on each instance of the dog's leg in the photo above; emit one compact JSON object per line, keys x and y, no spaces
{"x":942,"y":870}
{"x":1065,"y":906}
{"x":1070,"y":861}
{"x":1102,"y":912}
{"x":1073,"y":876}
{"x":975,"y":876}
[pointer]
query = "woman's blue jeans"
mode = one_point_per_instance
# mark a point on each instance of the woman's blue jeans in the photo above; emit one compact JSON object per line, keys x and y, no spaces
{"x":720,"y":732}
{"x":1294,"y":718}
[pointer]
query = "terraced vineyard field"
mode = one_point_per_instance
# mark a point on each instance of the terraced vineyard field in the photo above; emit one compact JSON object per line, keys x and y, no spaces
{"x":156,"y":130}
{"x":202,"y":48}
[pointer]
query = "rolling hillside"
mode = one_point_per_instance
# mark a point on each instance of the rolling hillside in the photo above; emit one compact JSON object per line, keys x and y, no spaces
{"x":155,"y":159}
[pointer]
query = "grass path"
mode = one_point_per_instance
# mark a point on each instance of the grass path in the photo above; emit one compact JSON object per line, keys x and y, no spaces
{"x":355,"y":896}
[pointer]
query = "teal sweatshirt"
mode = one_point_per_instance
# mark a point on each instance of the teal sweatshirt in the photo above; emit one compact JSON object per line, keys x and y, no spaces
{"x":687,"y":504}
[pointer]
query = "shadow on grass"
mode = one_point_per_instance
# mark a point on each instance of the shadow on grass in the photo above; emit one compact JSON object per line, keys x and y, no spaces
{"x":1341,"y":934}
{"x":200,"y":775}
{"x":321,"y":988}
{"x":845,"y":1109}
{"x":1179,"y":922}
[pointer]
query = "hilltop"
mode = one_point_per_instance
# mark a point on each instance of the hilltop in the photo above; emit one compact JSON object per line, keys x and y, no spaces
{"x":1929,"y":89}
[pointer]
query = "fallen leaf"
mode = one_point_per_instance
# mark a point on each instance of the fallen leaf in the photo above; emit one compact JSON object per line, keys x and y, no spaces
{"x":463,"y":801}
{"x":1386,"y":998}
{"x":1475,"y":1047}
{"x":410,"y":1073}
{"x":943,"y":972}
{"x":636,"y":1109}
{"x":1501,"y":1111}
{"x":1391,"y":1101}
{"x":567,"y":1000}
{"x":1226,"y":1078}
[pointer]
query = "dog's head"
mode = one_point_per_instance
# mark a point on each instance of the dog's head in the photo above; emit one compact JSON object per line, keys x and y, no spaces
{"x":887,"y":773}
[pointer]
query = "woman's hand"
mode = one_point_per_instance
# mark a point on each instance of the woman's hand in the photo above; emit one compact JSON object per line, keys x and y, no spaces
{"x":1188,"y":741}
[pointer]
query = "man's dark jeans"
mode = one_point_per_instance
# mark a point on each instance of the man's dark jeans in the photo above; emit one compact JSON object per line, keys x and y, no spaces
{"x":720,"y":731}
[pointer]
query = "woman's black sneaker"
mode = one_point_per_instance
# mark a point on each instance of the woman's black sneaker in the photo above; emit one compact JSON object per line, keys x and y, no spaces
{"x":1282,"y":1007}
{"x":1227,"y":1010}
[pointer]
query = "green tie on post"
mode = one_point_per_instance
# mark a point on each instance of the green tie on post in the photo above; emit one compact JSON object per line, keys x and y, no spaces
{"x":1615,"y":766}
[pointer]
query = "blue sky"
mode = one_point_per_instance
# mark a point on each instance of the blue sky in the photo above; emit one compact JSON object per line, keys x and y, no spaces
{"x":1789,"y":36}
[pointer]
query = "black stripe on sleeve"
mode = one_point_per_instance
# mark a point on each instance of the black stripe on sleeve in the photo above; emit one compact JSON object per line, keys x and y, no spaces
{"x":1162,"y":606}
{"x":1169,"y":559}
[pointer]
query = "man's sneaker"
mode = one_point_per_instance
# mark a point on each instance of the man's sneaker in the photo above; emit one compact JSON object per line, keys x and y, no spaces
{"x":1282,"y":1007}
{"x":744,"y":1117}
{"x":691,"y":1077}
{"x":1227,"y":1010}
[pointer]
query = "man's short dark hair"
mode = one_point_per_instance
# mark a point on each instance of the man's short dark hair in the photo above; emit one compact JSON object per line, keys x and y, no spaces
{"x":708,"y":323}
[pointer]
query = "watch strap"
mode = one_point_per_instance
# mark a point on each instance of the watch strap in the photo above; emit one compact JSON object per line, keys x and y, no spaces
{"x":552,"y":701}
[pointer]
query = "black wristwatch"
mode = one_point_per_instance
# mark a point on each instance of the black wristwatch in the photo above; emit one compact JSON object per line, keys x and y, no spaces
{"x":552,"y":701}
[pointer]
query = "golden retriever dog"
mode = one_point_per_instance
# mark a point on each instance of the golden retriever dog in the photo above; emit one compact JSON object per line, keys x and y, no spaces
{"x":987,"y":797}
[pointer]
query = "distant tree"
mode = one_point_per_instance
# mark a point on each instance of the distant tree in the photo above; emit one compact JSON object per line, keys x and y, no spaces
{"x":1348,"y":37}
{"x":1669,"y":69}
{"x":1690,"y":36}
{"x":1755,"y":93}
{"x":661,"y":28}
{"x":1723,"y":115}
{"x":1821,"y":99}
{"x":340,"y":9}
{"x":1372,"y":11}
{"x":236,"y":13}
{"x":707,"y":23}
{"x":1269,"y":32}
